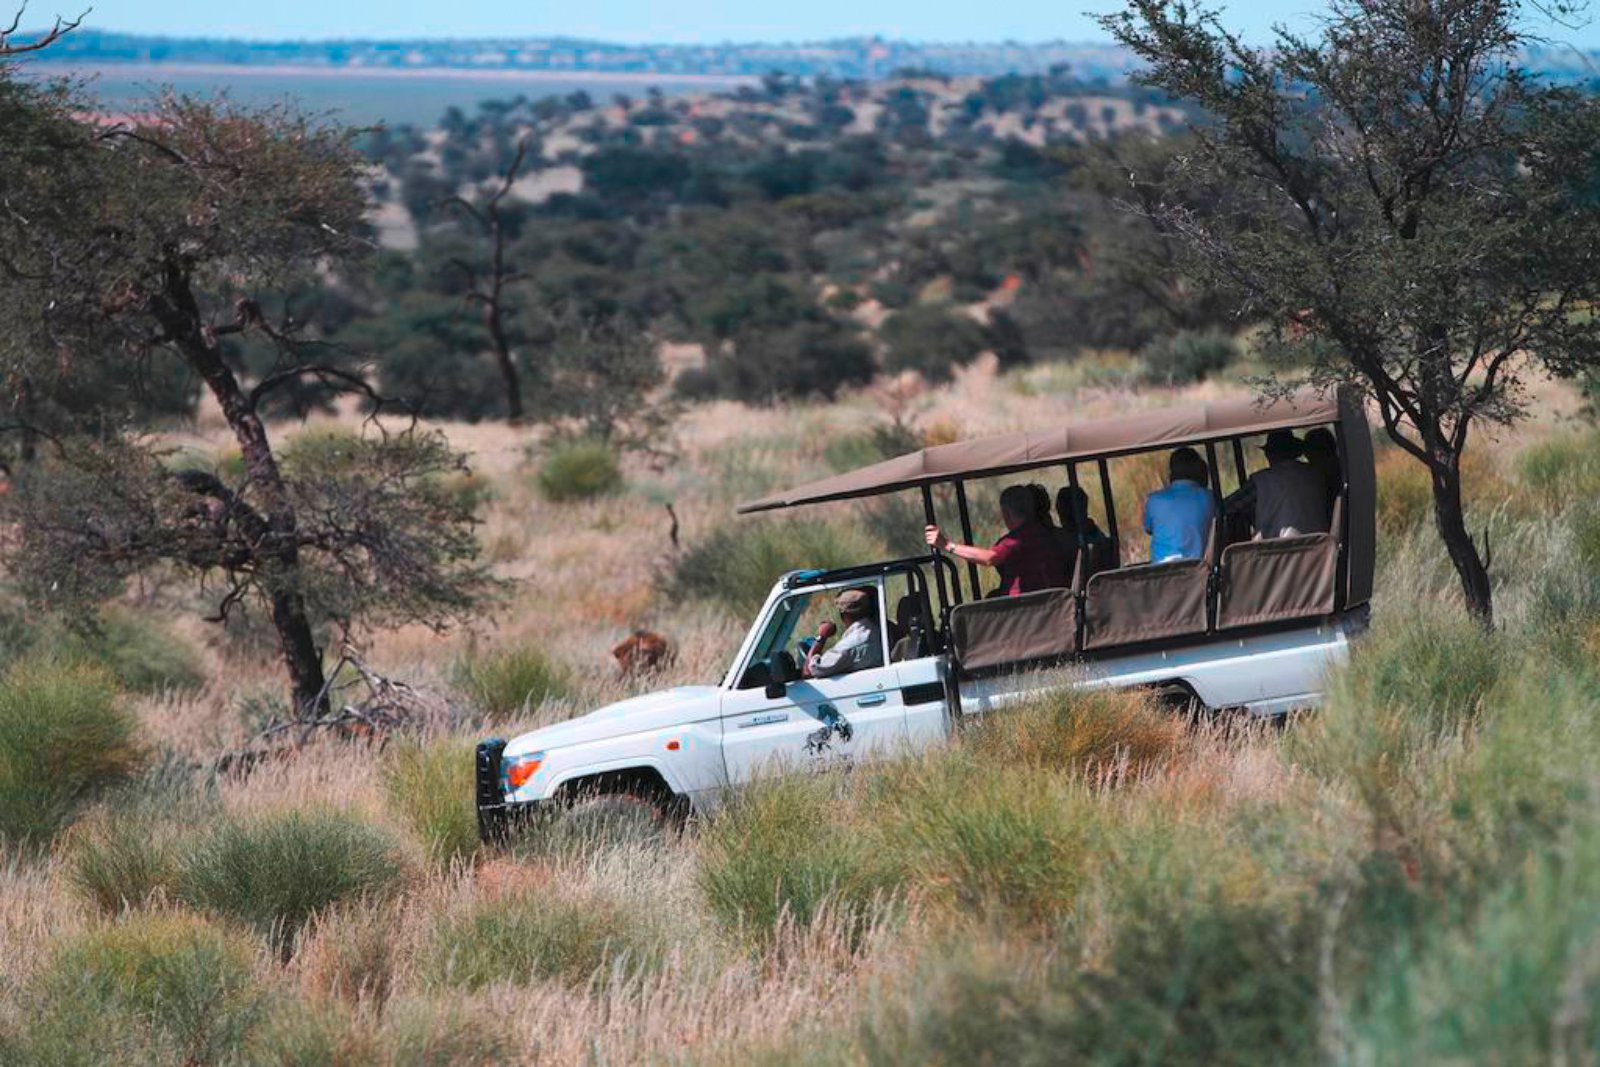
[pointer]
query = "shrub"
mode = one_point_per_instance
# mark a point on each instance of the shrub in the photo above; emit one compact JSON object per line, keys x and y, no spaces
{"x":1518,"y":975}
{"x":932,"y":341}
{"x":1220,"y":983}
{"x":1011,"y":845}
{"x":770,"y":364}
{"x":122,"y":859}
{"x":736,"y":565}
{"x":431,"y":785}
{"x":848,"y":452}
{"x":779,"y":849}
{"x":526,"y":938}
{"x":579,"y":470}
{"x":64,"y":739}
{"x":508,"y":681}
{"x":150,"y":989}
{"x":1086,"y":730}
{"x":1187,"y":357}
{"x":278,"y":871}
{"x":139,"y":654}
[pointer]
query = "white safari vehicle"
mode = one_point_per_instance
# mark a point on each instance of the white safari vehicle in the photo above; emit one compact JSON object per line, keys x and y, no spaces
{"x":1253,"y":625}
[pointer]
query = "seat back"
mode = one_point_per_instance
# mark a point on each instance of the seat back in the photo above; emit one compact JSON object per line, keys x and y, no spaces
{"x":1145,"y":603}
{"x":906,"y":630}
{"x":1278,"y":579}
{"x":1013,"y":629}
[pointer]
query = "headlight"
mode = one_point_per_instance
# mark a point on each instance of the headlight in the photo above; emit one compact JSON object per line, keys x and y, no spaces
{"x":518,"y":769}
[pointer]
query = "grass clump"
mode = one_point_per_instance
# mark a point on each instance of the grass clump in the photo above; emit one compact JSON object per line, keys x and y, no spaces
{"x":155,"y":988}
{"x":1188,"y":356}
{"x":1010,"y":845}
{"x":522,"y":939}
{"x":277,"y":872}
{"x":1090,"y":731}
{"x":736,"y":565}
{"x":781,"y":850}
{"x":121,"y":859}
{"x":65,"y":738}
{"x":579,"y":470}
{"x":509,"y":681}
{"x":431,"y":785}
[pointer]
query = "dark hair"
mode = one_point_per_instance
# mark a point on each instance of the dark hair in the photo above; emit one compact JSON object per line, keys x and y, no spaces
{"x":1072,"y":505}
{"x":1186,"y":463}
{"x":1320,"y":439}
{"x":1041,"y":504}
{"x":1017,"y":501}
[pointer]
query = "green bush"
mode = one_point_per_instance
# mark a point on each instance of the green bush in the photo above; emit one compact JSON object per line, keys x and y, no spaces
{"x":783,"y":848}
{"x":150,"y":989}
{"x":846,"y":453}
{"x":122,"y":859}
{"x":1216,"y":984}
{"x":506,"y":682}
{"x":1079,"y":729}
{"x":277,"y":872}
{"x":65,"y":738}
{"x":932,"y":341}
{"x":1515,"y":981}
{"x":431,"y":785}
{"x":1187,"y":357}
{"x":523,"y":939}
{"x":736,"y":565}
{"x":140,"y":654}
{"x":1011,"y":845}
{"x":579,"y":470}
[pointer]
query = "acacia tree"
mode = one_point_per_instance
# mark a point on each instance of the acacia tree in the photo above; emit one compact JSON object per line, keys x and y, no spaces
{"x":1413,"y":214}
{"x":160,"y":238}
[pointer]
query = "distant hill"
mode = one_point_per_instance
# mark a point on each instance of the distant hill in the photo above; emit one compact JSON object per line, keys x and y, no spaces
{"x":863,"y":57}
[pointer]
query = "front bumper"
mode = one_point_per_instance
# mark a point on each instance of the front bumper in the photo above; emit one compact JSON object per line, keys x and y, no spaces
{"x":496,"y":815}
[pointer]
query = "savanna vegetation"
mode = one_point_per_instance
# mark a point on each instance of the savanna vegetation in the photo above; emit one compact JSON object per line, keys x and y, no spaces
{"x":1408,"y":874}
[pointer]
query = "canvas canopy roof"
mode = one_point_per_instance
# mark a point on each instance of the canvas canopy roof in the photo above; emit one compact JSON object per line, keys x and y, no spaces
{"x":1005,"y":453}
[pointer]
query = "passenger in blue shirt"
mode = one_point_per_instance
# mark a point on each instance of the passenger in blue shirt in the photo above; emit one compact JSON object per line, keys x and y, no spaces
{"x":1179,"y":517}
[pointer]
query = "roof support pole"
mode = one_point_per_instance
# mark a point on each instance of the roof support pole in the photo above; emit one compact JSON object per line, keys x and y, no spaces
{"x":938,"y":571}
{"x":966,"y":536}
{"x":1238,"y":459}
{"x":1216,"y":494}
{"x":1111,"y":510}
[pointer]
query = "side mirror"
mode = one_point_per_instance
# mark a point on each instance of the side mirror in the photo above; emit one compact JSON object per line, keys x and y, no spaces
{"x":781,"y":670}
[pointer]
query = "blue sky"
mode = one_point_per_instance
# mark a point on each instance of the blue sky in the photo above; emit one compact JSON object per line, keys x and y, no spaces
{"x":652,"y":20}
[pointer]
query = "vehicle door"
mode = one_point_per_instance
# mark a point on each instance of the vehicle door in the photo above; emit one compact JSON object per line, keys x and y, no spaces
{"x":808,"y":723}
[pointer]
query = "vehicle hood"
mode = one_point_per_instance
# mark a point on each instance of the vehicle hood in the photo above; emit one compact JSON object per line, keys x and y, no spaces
{"x":653,"y":711}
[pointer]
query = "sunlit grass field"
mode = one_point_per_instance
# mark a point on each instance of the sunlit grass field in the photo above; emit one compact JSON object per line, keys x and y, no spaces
{"x":1410,"y":875}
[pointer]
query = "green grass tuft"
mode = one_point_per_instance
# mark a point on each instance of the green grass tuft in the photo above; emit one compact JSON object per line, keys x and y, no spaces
{"x":509,"y":681}
{"x":277,"y":872}
{"x":540,"y":936}
{"x":579,"y":470}
{"x":65,"y":738}
{"x":431,"y":785}
{"x":154,"y":988}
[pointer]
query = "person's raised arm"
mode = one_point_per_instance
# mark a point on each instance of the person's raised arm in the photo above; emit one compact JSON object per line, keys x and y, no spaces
{"x":936,"y":538}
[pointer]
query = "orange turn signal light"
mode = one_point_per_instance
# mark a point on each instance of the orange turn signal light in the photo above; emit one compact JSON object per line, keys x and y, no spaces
{"x":518,"y":774}
{"x":672,"y":746}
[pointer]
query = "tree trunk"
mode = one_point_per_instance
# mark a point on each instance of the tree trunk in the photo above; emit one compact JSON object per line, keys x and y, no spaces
{"x":1452,"y":524}
{"x":503,"y":358}
{"x":278,"y":558}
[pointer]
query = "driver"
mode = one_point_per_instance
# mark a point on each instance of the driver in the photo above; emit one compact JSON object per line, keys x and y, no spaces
{"x":860,"y":647}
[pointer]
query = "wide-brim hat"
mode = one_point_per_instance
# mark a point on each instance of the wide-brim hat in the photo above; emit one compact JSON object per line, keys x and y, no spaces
{"x":1283,"y":443}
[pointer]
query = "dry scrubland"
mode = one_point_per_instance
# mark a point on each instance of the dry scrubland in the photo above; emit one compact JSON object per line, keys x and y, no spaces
{"x":1412,"y":874}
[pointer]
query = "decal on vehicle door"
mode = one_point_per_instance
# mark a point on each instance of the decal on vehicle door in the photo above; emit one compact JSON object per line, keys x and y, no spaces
{"x":819,"y":743}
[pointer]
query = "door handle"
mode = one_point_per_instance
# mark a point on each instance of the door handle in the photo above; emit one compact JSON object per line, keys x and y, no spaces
{"x":872,"y":701}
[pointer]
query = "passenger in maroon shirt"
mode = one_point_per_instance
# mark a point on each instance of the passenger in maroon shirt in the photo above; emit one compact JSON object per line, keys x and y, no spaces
{"x":1028,"y":556}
